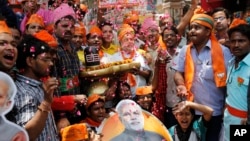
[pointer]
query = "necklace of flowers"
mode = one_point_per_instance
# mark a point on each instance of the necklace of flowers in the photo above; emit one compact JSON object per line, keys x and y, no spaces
{"x":132,"y":54}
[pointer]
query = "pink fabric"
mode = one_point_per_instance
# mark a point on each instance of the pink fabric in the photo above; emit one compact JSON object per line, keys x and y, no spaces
{"x":45,"y":14}
{"x":148,"y":22}
{"x":62,"y":11}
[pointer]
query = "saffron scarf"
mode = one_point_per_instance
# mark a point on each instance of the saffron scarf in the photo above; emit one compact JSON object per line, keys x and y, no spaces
{"x":219,"y":69}
{"x":91,"y":122}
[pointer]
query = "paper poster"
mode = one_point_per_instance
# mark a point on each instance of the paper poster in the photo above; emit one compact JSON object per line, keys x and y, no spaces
{"x":8,"y":130}
{"x":134,"y":124}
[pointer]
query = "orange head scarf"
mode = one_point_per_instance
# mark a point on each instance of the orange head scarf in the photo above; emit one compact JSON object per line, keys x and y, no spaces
{"x":80,"y":29}
{"x":125,"y":29}
{"x":131,"y":17}
{"x":95,"y":30}
{"x":144,"y":90}
{"x":34,"y":18}
{"x":74,"y":132}
{"x":237,"y":22}
{"x":43,"y":35}
{"x":83,"y":7}
{"x":93,"y":98}
{"x":4,"y":28}
{"x":219,"y":69}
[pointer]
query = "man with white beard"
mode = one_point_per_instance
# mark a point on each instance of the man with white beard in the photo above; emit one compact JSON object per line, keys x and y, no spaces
{"x":130,"y":114}
{"x":9,"y":131}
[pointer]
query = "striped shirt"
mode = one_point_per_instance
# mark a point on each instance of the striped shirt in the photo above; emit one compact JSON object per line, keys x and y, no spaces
{"x":29,"y":96}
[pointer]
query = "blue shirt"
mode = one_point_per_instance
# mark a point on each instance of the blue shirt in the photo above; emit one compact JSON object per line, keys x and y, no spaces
{"x":29,"y":96}
{"x":236,"y":92}
{"x":204,"y":87}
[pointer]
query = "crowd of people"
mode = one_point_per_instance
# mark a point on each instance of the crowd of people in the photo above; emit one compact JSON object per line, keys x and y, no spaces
{"x":193,"y":76}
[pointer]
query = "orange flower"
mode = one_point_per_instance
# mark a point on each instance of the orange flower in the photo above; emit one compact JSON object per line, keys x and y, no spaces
{"x":240,"y":81}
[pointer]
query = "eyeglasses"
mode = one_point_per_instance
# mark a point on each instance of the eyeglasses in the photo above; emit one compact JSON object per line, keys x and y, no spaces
{"x":219,"y":19}
{"x":46,"y":60}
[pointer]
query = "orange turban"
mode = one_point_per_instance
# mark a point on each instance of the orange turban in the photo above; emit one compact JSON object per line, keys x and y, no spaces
{"x":131,"y":17}
{"x":4,"y":28}
{"x":237,"y":22}
{"x":83,"y":7}
{"x":34,"y":18}
{"x":144,"y":90}
{"x":80,"y":29}
{"x":43,"y":35}
{"x":74,"y":132}
{"x":93,"y":98}
{"x":95,"y":30}
{"x":125,"y":29}
{"x":203,"y":19}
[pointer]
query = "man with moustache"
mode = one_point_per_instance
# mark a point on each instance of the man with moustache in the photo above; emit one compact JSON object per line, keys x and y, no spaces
{"x":34,"y":97}
{"x":67,"y":64}
{"x":221,"y":23}
{"x":201,"y":71}
{"x":237,"y":100}
{"x":8,"y":50}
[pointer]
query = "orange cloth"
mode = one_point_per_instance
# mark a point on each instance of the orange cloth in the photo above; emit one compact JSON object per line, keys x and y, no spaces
{"x":161,"y":43}
{"x":131,"y":17}
{"x":219,"y":68}
{"x":123,"y":30}
{"x":144,"y":90}
{"x":237,"y":22}
{"x":91,"y":122}
{"x":132,"y":79}
{"x":236,"y":112}
{"x":4,"y":28}
{"x":50,"y":28}
{"x":83,"y":7}
{"x":74,"y":132}
{"x":46,"y":37}
{"x":34,"y":18}
{"x":80,"y":29}
{"x":95,"y":30}
{"x":91,"y":99}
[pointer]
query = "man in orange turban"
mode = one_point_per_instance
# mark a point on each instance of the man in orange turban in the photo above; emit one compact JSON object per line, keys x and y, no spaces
{"x":95,"y":111}
{"x":203,"y":63}
{"x":144,"y":97}
{"x":132,"y":19}
{"x":34,"y":24}
{"x":94,"y":37}
{"x":8,"y":50}
{"x":79,"y":39}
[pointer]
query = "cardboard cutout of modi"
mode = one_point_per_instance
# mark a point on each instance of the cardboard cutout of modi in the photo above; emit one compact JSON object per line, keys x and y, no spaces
{"x":131,"y":123}
{"x":8,"y":130}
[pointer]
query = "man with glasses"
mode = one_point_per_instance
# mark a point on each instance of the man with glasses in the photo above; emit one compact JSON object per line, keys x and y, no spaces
{"x":33,"y":99}
{"x":221,"y":23}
